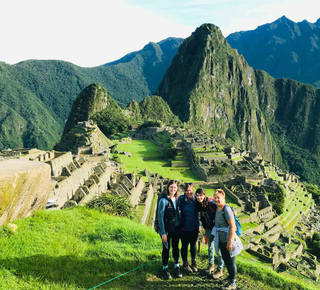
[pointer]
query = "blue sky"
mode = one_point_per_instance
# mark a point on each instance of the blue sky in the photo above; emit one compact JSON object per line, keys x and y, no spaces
{"x":91,"y":33}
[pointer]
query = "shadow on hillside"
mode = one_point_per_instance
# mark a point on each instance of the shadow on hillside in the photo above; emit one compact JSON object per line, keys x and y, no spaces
{"x":75,"y":272}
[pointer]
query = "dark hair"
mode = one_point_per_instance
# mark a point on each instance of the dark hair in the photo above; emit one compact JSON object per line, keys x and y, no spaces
{"x":178,"y":187}
{"x":201,"y":191}
{"x":189,"y":184}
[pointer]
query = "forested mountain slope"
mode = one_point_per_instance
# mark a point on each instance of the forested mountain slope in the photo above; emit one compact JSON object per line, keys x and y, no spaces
{"x":37,"y":95}
{"x":283,"y":48}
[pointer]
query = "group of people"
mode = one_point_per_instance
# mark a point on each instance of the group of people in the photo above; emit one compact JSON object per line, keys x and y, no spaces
{"x":179,"y":217}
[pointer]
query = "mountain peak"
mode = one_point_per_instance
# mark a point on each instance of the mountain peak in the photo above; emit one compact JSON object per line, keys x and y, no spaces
{"x":91,"y":100}
{"x":211,"y":88}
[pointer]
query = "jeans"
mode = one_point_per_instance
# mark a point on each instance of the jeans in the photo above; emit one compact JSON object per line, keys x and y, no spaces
{"x":230,"y":262}
{"x":172,"y":238}
{"x":186,"y":239}
{"x":210,"y":240}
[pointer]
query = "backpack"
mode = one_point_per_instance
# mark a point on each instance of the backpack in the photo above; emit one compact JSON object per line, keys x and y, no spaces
{"x":156,"y":220}
{"x":236,"y":220}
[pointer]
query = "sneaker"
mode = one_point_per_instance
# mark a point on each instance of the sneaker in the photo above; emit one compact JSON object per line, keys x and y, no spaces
{"x":178,"y":272}
{"x":166,"y":274}
{"x":186,"y":268}
{"x":230,"y":286}
{"x":210,"y":269}
{"x":217,"y":274}
{"x":194,"y":267}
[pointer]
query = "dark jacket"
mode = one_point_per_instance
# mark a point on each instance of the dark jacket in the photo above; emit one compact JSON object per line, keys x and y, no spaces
{"x":207,"y":214}
{"x":169,"y":215}
{"x":188,"y":214}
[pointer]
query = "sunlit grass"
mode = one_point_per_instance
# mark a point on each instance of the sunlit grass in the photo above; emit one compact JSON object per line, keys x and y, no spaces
{"x":140,"y":149}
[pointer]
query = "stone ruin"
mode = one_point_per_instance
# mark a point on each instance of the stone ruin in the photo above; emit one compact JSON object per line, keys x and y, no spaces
{"x":73,"y":180}
{"x":306,"y":264}
{"x":280,"y":251}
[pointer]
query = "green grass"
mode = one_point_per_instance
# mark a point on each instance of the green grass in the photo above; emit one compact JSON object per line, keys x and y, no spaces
{"x":144,"y":148}
{"x":247,"y":226}
{"x":237,"y":158}
{"x":284,"y":281}
{"x":80,"y":248}
{"x":76,"y":248}
{"x":140,"y":211}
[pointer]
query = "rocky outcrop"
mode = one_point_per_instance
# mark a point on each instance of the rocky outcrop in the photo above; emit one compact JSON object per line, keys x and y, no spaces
{"x":24,"y":187}
{"x":212,"y":88}
{"x":91,"y":100}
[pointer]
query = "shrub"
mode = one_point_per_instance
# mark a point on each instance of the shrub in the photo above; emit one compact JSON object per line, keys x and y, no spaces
{"x":316,"y":237}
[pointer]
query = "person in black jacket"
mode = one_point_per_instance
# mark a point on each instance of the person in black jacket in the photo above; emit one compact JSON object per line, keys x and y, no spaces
{"x":207,"y":211}
{"x":169,"y":225}
{"x":190,"y":224}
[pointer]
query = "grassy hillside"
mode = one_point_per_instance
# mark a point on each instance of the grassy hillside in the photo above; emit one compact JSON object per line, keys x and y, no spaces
{"x":81,"y":248}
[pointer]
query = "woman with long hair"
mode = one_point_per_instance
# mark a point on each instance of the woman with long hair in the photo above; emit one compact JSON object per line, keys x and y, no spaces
{"x":169,"y":225}
{"x":207,"y":210}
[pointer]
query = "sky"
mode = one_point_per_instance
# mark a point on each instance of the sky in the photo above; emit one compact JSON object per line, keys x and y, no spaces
{"x":91,"y":33}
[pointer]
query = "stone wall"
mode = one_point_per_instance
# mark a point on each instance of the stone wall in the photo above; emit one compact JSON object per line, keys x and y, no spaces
{"x":274,"y":230}
{"x":66,"y":188}
{"x":57,"y":164}
{"x":265,"y":213}
{"x":259,"y":229}
{"x":272,"y":222}
{"x":260,"y":255}
{"x":24,"y":188}
{"x":147,"y":204}
{"x":234,"y":197}
{"x":100,"y":186}
{"x":136,"y":193}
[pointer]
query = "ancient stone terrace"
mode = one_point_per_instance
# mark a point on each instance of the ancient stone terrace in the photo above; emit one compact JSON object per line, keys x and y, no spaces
{"x":140,"y":193}
{"x":280,"y":251}
{"x":306,"y":265}
{"x":252,"y":200}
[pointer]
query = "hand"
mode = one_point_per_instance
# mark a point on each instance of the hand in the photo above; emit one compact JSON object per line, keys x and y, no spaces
{"x":164,"y":238}
{"x":229,"y":246}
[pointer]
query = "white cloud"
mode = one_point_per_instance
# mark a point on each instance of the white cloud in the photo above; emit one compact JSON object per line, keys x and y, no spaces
{"x":90,"y":33}
{"x":82,"y":32}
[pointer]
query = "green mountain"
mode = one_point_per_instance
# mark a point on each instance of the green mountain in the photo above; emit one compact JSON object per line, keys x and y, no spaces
{"x":152,"y":108}
{"x":37,"y":95}
{"x":212,"y":88}
{"x":282,"y":48}
{"x":90,"y":101}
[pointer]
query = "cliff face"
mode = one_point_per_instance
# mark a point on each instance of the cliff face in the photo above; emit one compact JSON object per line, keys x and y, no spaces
{"x":212,"y":88}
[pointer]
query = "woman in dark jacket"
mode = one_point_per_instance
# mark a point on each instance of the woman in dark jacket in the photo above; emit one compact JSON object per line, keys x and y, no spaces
{"x":169,"y":225}
{"x":207,"y":210}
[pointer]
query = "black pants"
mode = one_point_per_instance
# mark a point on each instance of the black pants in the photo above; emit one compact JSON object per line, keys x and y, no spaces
{"x":186,"y":239}
{"x":172,"y":239}
{"x":229,"y":262}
